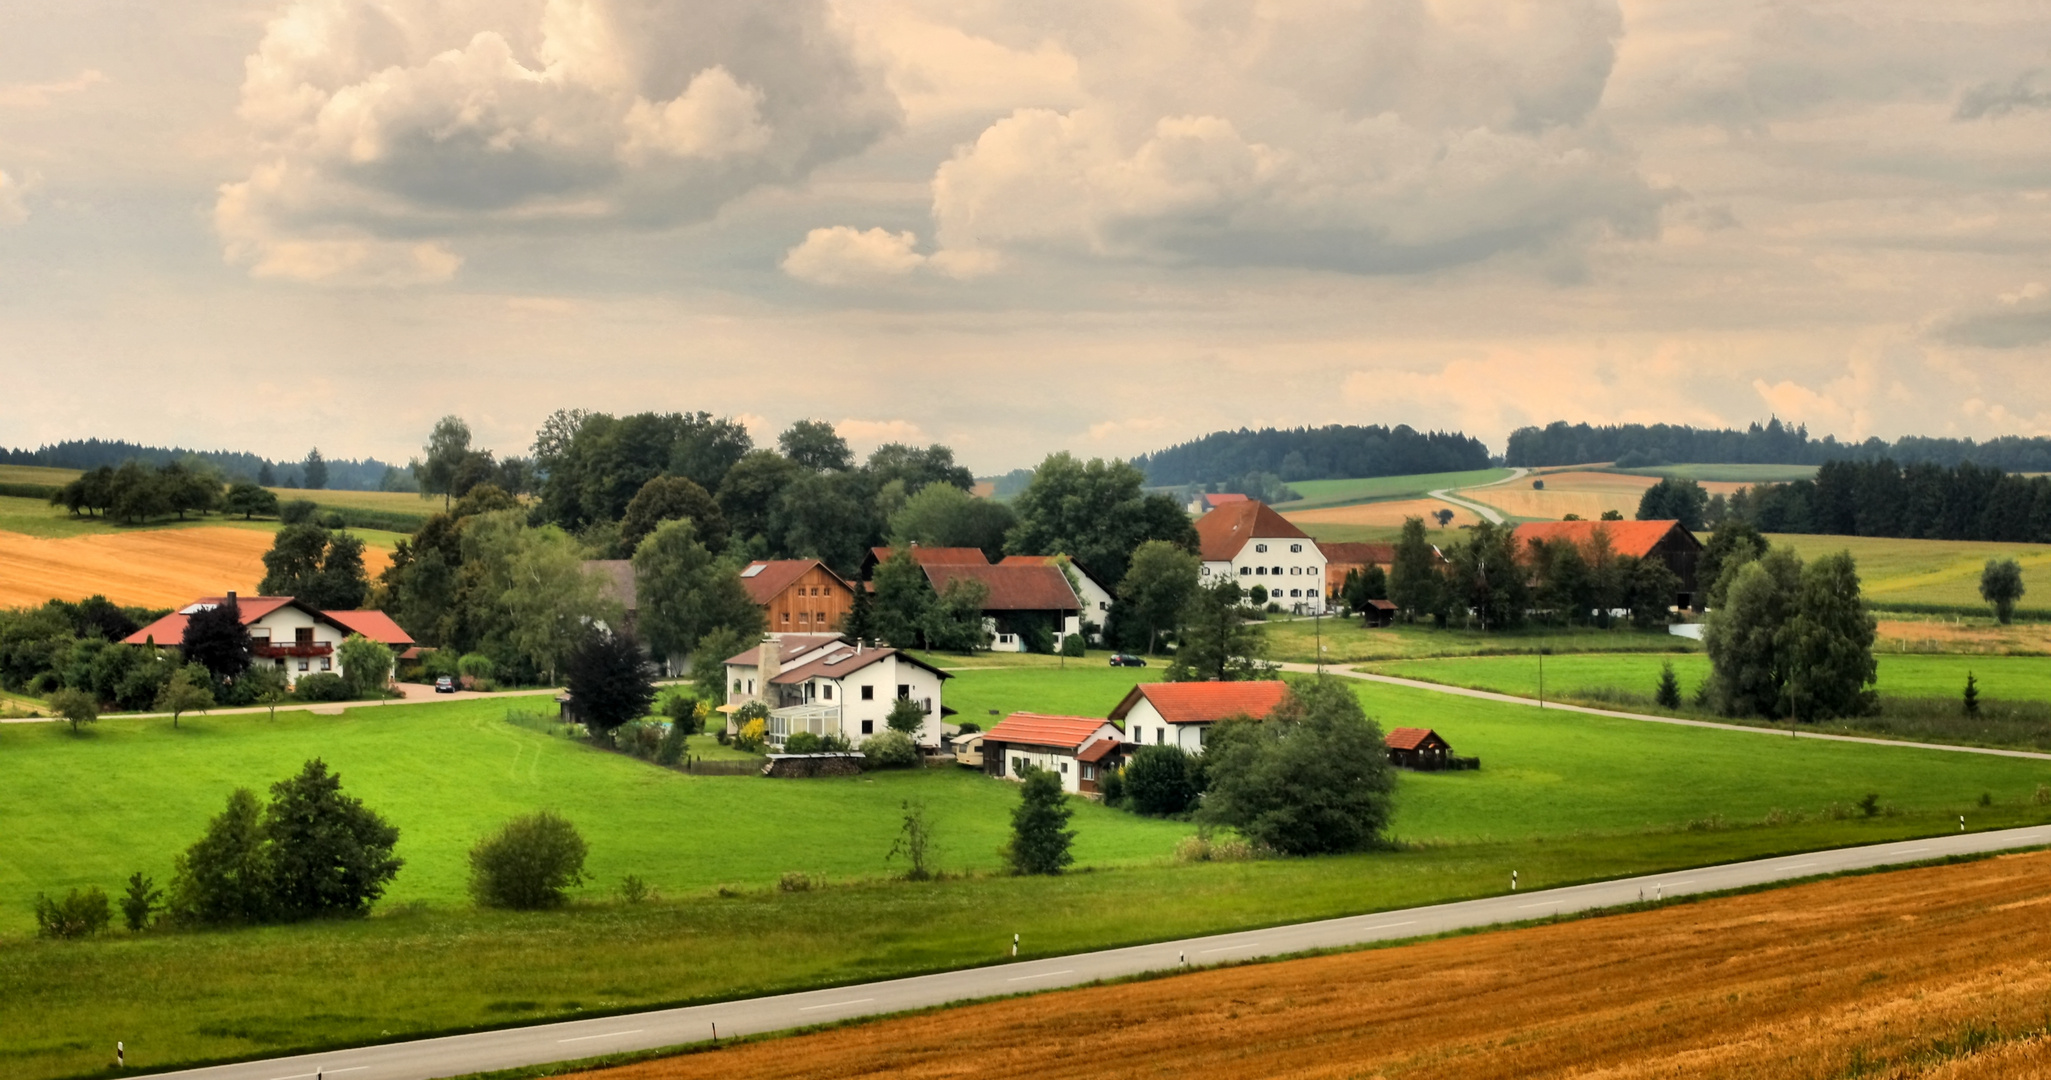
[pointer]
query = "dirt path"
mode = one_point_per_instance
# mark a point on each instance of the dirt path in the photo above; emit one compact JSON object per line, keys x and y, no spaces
{"x":1489,"y":513}
{"x":1933,"y":972}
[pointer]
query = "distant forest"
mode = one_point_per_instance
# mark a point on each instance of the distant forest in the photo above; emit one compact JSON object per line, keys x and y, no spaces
{"x":1772,"y":443}
{"x":344,"y":474}
{"x":1340,"y":451}
{"x":1920,"y":501}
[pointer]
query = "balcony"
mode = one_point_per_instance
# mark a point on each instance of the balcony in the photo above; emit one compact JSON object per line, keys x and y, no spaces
{"x":275,"y":652}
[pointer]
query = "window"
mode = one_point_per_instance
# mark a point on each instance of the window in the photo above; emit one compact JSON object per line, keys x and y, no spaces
{"x":1089,"y":772}
{"x":1064,"y":768}
{"x":1018,"y":766}
{"x":804,"y":616}
{"x":1278,"y":569}
{"x":326,"y":664}
{"x":786,"y":616}
{"x":737,"y":686}
{"x":868,"y":726}
{"x":1262,"y":570}
{"x":1296,"y":592}
{"x":904,"y":690}
{"x":1296,"y":547}
{"x":1206,"y":572}
{"x":1260,"y":547}
{"x":829,"y":691}
{"x":1159,"y":734}
{"x":868,"y":693}
{"x":303,"y":665}
{"x":751,"y":686}
{"x":1294,"y":570}
{"x":1243,"y":571}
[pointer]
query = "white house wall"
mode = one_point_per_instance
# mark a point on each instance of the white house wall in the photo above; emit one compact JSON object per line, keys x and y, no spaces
{"x":1144,"y":727}
{"x":1291,"y":564}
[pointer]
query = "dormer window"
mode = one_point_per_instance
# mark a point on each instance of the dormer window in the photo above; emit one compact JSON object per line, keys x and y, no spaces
{"x":1296,"y":548}
{"x":1260,"y":547}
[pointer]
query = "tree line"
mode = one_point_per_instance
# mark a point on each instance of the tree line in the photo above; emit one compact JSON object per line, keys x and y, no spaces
{"x":1333,"y":451}
{"x":347,"y":474}
{"x":1881,"y":498}
{"x":1772,"y":443}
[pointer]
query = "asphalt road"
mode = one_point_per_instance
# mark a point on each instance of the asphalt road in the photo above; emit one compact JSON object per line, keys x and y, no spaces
{"x":460,"y":1054}
{"x":1488,"y":513}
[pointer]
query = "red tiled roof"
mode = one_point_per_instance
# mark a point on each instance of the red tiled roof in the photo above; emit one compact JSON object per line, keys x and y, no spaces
{"x":1013,"y":587}
{"x":170,"y":630}
{"x":1029,"y":560}
{"x":1635,"y":538}
{"x":776,"y":575}
{"x":1206,"y":702}
{"x":375,"y":625}
{"x":936,"y":556}
{"x":1099,"y":750}
{"x":788,"y":647}
{"x":1223,"y":499}
{"x":1358,"y":554}
{"x":1411,"y":738}
{"x":1034,"y":729}
{"x":1222,"y":532}
{"x":846,"y":661}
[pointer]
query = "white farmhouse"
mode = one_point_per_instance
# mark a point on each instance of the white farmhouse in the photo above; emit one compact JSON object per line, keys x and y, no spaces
{"x":1250,"y":543}
{"x":826,"y":685}
{"x":297,"y":638}
{"x":1181,"y":714}
{"x":1078,"y":749}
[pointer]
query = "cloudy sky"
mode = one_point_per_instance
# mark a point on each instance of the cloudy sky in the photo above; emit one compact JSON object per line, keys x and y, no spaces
{"x":1098,"y":225}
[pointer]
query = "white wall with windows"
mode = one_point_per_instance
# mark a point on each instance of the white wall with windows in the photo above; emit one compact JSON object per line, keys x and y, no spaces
{"x":1292,"y":569}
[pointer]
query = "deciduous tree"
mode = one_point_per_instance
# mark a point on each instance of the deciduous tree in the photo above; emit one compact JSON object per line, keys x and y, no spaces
{"x":1215,"y":642}
{"x":1040,"y":837}
{"x":1095,"y":512}
{"x":684,"y":592}
{"x":610,"y":682}
{"x":669,"y":498}
{"x":2001,"y":584}
{"x":1313,"y":779}
{"x":328,"y":854}
{"x":189,"y":689}
{"x":1158,"y":586}
{"x":216,"y":639}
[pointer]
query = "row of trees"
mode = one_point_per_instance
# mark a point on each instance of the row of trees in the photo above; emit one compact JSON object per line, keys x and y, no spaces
{"x":1772,"y":443}
{"x":368,"y":474}
{"x":136,"y":492}
{"x":1487,"y":577}
{"x":1923,"y":501}
{"x":1337,"y":450}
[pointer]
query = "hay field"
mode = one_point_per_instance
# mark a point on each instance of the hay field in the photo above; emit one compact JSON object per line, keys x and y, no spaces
{"x":404,"y":502}
{"x":1585,"y":493}
{"x":1317,"y":493}
{"x":1930,"y":972}
{"x":147,"y":567}
{"x":1389,"y":514}
{"x":1929,"y":571}
{"x":36,"y":474}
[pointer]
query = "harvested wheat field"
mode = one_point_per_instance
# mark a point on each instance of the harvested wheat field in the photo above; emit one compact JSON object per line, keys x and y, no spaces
{"x":1392,"y":512}
{"x":1932,"y":972}
{"x":148,"y":568}
{"x":1585,"y":493}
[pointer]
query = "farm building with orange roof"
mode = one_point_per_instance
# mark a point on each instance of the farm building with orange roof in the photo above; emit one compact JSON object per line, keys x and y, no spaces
{"x":1180,"y":714}
{"x":298,"y":638}
{"x":1666,"y":541}
{"x":1078,"y":749}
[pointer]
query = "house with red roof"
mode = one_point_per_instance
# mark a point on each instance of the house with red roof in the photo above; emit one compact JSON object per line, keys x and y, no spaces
{"x":1024,"y":593}
{"x":1249,"y":543}
{"x":1089,"y":592}
{"x":1202,"y":503}
{"x":827,"y":685}
{"x":1078,"y":749}
{"x":1666,"y":541}
{"x":798,"y":596}
{"x":298,"y":638}
{"x":1181,"y":714}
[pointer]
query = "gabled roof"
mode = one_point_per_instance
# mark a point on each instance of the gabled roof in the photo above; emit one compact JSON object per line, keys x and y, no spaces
{"x":375,"y":625}
{"x":1099,"y":750}
{"x":170,"y":630}
{"x":619,"y":582}
{"x":1412,"y":738}
{"x":1222,"y":532}
{"x":1035,"y":729}
{"x":1206,"y":702}
{"x":1634,"y":538}
{"x":765,"y":580}
{"x":1013,"y":587}
{"x":935,"y":556}
{"x":840,"y":663}
{"x":1360,"y":554}
{"x":1056,"y":561}
{"x":788,"y":648}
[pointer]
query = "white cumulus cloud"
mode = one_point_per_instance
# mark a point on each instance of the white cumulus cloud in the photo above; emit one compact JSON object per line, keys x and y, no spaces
{"x":840,"y":255}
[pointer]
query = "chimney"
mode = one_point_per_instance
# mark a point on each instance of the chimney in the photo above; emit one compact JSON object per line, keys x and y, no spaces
{"x":231,"y":596}
{"x":768,"y":665}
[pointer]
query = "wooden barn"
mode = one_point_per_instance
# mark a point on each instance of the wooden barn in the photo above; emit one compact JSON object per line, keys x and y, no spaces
{"x":1424,"y":750}
{"x":1379,"y":613}
{"x":1666,"y":541}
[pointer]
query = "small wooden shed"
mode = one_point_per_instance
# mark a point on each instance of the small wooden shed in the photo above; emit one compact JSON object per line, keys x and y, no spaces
{"x":1379,"y":613}
{"x":1419,"y":748}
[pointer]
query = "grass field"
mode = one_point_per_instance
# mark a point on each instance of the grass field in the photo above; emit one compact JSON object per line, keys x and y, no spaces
{"x":1346,"y":641}
{"x":36,"y":474}
{"x":1388,"y":515}
{"x":1317,"y":493}
{"x":1586,"y":493}
{"x":404,"y":502}
{"x":1730,"y":474}
{"x":1928,"y":972}
{"x":1929,"y":572}
{"x":1561,"y":797}
{"x":2011,"y":678}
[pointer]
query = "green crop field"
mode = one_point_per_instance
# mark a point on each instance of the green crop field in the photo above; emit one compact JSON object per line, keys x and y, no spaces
{"x":1347,"y":641}
{"x":37,"y":518}
{"x":1736,"y":474}
{"x":36,"y":474}
{"x":1943,"y":573}
{"x":1561,"y":797}
{"x":403,"y":502}
{"x":1316,"y":493}
{"x":2001,"y":678}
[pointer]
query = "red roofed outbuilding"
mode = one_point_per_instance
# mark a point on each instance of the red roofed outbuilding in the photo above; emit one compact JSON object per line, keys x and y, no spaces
{"x":1663,"y":540}
{"x":1181,"y":714}
{"x":1078,"y":749}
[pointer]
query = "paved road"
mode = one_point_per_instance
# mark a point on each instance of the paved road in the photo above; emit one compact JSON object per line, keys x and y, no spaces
{"x":460,"y":1054}
{"x":1750,"y":729}
{"x":1488,"y":513}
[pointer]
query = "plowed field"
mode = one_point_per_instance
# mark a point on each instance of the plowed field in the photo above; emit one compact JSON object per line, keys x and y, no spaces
{"x":151,"y":568}
{"x":1934,"y":972}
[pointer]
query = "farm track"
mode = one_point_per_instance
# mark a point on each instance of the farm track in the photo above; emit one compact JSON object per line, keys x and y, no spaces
{"x":1936,"y":972}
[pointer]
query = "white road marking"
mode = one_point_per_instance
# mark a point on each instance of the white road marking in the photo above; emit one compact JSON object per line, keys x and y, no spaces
{"x":1909,"y":850}
{"x":1390,"y":925}
{"x":302,"y":1076}
{"x":607,"y":1035}
{"x":1548,"y":903}
{"x":1229,"y":948}
{"x":1676,"y":884}
{"x":837,"y":1004}
{"x":1042,"y":975}
{"x":1795,"y":865}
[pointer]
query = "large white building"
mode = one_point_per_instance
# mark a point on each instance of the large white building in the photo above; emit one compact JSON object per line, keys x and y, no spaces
{"x":296,"y":638}
{"x":824,"y":684}
{"x":1250,"y":543}
{"x":1181,"y":714}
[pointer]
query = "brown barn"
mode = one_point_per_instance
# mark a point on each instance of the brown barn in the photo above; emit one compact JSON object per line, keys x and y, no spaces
{"x":1418,"y":748}
{"x":1663,"y":540}
{"x":1379,"y":613}
{"x":798,"y":596}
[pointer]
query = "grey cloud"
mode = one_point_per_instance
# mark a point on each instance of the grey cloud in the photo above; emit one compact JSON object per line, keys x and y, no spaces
{"x":1994,"y":99}
{"x":2017,"y":322}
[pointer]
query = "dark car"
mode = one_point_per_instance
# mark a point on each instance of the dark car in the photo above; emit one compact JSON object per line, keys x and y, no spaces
{"x":1127,"y":660}
{"x":445,"y":685}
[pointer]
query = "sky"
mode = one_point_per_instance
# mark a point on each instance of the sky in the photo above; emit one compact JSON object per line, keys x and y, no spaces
{"x":1103,"y":226}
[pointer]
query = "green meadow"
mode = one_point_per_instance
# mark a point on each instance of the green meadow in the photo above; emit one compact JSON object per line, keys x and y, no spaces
{"x":2005,"y":678}
{"x":1317,"y":493}
{"x":1913,"y":574}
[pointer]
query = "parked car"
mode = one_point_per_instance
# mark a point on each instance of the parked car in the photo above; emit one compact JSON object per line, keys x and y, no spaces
{"x":445,"y":685}
{"x":1127,"y":660}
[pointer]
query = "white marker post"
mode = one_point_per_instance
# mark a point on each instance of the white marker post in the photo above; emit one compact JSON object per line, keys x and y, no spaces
{"x":1014,"y":946}
{"x":1961,"y":823}
{"x":120,"y":1055}
{"x":1513,"y":881}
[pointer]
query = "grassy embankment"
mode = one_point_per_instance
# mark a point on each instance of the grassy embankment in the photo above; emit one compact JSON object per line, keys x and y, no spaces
{"x":1561,"y":798}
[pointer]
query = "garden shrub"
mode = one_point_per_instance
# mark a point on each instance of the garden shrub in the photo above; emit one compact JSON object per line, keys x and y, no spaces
{"x":82,"y":913}
{"x":1073,"y":645}
{"x":889,"y":750}
{"x":528,"y":864}
{"x":321,"y":686}
{"x":1160,"y":781}
{"x":804,"y":742}
{"x":671,"y":750}
{"x":794,"y":881}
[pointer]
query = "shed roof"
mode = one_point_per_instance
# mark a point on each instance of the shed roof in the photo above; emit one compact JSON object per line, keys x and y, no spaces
{"x":1013,"y":587}
{"x":1634,"y":538}
{"x":1222,"y":532}
{"x":1359,"y":554}
{"x":1035,"y":729}
{"x":840,"y":663}
{"x":766,"y":579}
{"x":1099,"y":750}
{"x":1206,"y":702}
{"x":1412,"y":738}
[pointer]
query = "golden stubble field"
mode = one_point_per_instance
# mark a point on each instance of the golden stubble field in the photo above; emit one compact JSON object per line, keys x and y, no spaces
{"x":1391,"y":513}
{"x":1932,"y":972}
{"x":146,"y":567}
{"x":1585,"y":493}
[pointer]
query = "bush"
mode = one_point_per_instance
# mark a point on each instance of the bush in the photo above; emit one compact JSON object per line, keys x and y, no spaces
{"x":1161,"y":780}
{"x":639,"y":739}
{"x":528,"y":864}
{"x":1314,"y":779}
{"x":1073,"y":645}
{"x":752,"y":736}
{"x":683,"y":711}
{"x":794,"y":881}
{"x":139,"y":904}
{"x":889,"y":750}
{"x":804,"y":742}
{"x":633,"y":890}
{"x":671,"y":750}
{"x":82,"y":913}
{"x":223,"y":879}
{"x":297,"y":511}
{"x":1039,"y":840}
{"x":1112,"y":787}
{"x":475,"y":666}
{"x":906,"y":716}
{"x":1203,"y":848}
{"x":321,"y":686}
